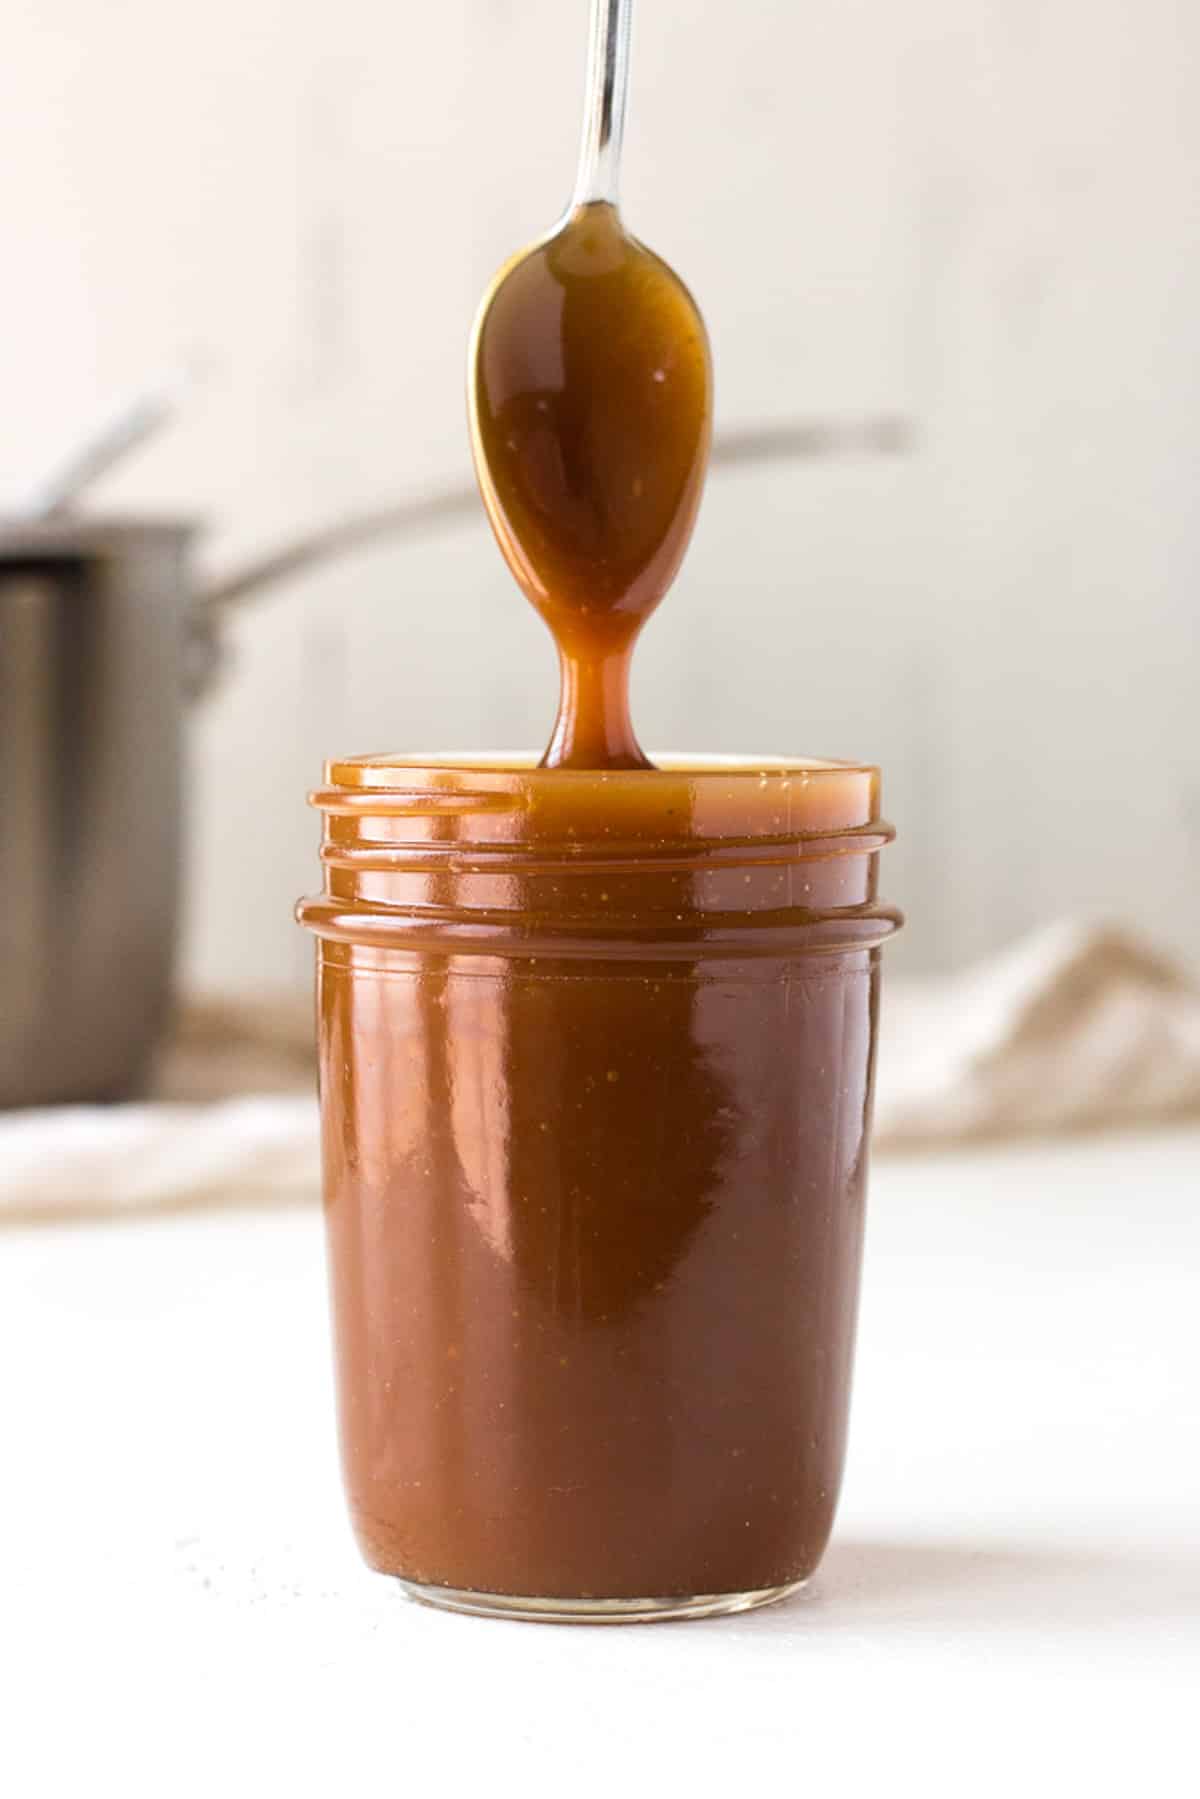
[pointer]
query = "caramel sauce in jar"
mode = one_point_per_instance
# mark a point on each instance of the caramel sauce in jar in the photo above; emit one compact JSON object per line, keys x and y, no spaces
{"x":596,"y":1054}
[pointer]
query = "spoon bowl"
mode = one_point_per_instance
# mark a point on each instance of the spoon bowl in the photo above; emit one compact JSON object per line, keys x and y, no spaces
{"x":590,"y":400}
{"x":590,"y":422}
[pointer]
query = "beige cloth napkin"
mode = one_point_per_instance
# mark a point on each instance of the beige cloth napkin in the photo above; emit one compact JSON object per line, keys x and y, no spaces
{"x":1076,"y":1028}
{"x":76,"y":1162}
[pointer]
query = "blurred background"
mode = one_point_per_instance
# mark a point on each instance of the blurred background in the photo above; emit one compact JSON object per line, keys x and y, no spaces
{"x":975,"y":221}
{"x":949,"y":254}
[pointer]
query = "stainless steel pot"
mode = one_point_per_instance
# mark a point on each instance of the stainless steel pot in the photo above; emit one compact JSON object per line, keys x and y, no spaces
{"x":97,"y":653}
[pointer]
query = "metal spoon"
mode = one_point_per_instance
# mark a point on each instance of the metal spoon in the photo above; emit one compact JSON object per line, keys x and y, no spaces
{"x":590,"y":396}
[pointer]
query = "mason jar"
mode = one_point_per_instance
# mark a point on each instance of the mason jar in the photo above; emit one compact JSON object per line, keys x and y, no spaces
{"x":596,"y":1062}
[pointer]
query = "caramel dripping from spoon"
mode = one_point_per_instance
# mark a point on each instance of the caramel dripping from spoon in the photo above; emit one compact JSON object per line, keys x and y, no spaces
{"x":590,"y":395}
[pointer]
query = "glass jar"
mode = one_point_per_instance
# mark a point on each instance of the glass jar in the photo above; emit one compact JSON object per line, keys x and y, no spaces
{"x":596,"y":1057}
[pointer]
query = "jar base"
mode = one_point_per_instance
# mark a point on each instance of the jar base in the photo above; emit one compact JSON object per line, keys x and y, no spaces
{"x":529,"y":1610}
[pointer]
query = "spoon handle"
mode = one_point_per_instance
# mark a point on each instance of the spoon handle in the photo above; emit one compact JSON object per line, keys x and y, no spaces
{"x":604,"y":113}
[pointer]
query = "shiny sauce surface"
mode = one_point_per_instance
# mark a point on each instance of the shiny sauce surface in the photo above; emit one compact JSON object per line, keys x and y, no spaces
{"x":591,"y":420}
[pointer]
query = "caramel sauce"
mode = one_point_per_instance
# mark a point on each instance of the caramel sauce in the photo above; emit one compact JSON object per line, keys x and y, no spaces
{"x":596,"y":1066}
{"x":591,"y":408}
{"x":596,"y":1049}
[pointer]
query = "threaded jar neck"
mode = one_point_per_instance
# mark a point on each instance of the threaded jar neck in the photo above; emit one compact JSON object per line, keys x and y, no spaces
{"x":695,"y":857}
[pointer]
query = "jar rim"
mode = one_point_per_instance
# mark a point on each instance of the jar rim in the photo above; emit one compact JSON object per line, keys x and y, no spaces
{"x":361,"y":770}
{"x":694,"y":798}
{"x":465,"y":849}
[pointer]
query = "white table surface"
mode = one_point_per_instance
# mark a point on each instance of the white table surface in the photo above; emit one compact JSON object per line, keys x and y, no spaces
{"x":1011,"y":1603}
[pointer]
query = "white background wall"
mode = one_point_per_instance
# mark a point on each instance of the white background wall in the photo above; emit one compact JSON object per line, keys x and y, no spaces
{"x":983,"y":215}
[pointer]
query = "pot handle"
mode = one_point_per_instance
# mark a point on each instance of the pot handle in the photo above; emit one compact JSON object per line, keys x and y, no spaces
{"x":798,"y":441}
